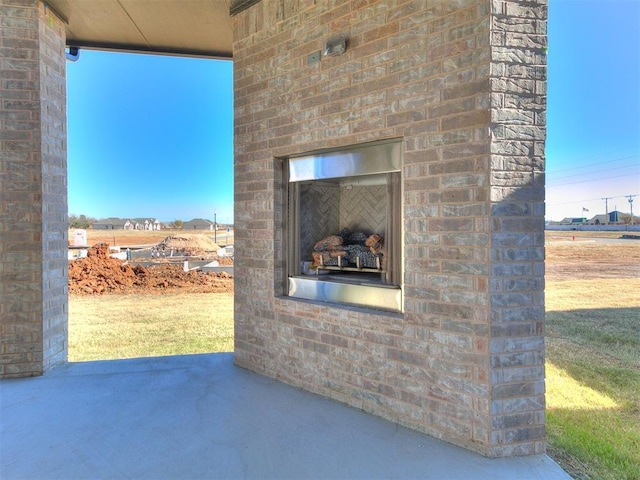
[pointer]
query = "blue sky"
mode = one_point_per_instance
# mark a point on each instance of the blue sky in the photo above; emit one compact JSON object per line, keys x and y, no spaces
{"x":593,"y":111}
{"x":152,"y":136}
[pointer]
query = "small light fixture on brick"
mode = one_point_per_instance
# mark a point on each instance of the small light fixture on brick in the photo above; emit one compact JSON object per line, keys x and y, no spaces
{"x":335,"y":45}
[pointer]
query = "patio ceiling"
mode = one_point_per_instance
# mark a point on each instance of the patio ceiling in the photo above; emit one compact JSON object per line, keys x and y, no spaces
{"x":177,"y":27}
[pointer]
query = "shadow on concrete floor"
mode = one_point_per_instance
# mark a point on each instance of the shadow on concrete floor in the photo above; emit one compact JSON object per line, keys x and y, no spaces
{"x":199,"y":416}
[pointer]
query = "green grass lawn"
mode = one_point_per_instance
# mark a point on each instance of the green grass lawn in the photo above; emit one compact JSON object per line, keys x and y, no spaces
{"x":593,"y":377}
{"x":148,"y":325}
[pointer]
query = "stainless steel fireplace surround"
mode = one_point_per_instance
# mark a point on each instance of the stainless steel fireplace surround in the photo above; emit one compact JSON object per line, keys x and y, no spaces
{"x":349,"y":202}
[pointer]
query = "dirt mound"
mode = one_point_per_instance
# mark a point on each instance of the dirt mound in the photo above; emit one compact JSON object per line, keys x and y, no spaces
{"x":98,"y":273}
{"x":188,"y":245}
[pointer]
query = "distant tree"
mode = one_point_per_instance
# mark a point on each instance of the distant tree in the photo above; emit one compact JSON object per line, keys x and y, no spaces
{"x":80,"y":221}
{"x":177,"y":224}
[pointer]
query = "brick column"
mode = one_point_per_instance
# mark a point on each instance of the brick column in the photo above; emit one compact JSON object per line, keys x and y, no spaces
{"x":33,"y":194}
{"x":518,"y":97}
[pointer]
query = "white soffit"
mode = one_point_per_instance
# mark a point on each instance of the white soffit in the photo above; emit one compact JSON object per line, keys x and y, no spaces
{"x":180,"y":27}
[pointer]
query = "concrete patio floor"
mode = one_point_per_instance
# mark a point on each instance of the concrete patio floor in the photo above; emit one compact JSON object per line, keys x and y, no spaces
{"x":199,"y":416}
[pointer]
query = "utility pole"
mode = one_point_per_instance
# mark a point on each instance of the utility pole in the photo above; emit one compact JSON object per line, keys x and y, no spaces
{"x":633,"y":219}
{"x":606,"y":207}
{"x":215,"y":228}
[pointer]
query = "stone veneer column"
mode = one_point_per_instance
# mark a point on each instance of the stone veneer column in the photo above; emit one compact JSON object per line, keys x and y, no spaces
{"x":33,"y":194}
{"x":463,"y":85}
{"x":518,"y":116}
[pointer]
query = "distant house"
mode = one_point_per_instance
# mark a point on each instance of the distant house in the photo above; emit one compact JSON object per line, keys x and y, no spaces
{"x":573,"y":221}
{"x":128,"y":224}
{"x":613,"y":218}
{"x":600,"y":219}
{"x":111,"y":223}
{"x":146,"y":224}
{"x":198,"y":224}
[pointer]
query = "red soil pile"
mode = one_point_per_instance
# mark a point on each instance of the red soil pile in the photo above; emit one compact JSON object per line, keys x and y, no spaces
{"x":99,"y":273}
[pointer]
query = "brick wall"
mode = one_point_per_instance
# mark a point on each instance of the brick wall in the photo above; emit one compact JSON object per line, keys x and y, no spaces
{"x":463,"y":85}
{"x":53,"y":107}
{"x":33,"y":195}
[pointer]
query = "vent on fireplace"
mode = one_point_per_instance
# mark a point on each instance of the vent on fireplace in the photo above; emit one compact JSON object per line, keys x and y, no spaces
{"x":344,"y":226}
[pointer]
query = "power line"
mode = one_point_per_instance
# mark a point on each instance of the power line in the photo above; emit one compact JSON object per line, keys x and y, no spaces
{"x":600,"y":164}
{"x":604,"y":154}
{"x":577,"y":167}
{"x":588,"y":200}
{"x":599,"y":171}
{"x":587,"y":181}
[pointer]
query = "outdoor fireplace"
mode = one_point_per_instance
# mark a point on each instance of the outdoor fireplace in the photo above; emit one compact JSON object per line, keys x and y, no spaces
{"x":344,"y":226}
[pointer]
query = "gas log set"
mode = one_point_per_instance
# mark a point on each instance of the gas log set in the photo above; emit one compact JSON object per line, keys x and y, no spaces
{"x":347,"y":250}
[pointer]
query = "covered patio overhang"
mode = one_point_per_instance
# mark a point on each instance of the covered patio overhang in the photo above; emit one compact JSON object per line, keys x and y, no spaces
{"x":463,"y":361}
{"x":189,"y":28}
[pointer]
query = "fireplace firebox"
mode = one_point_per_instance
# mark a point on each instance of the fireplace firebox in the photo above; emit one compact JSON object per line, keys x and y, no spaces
{"x":344,"y":226}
